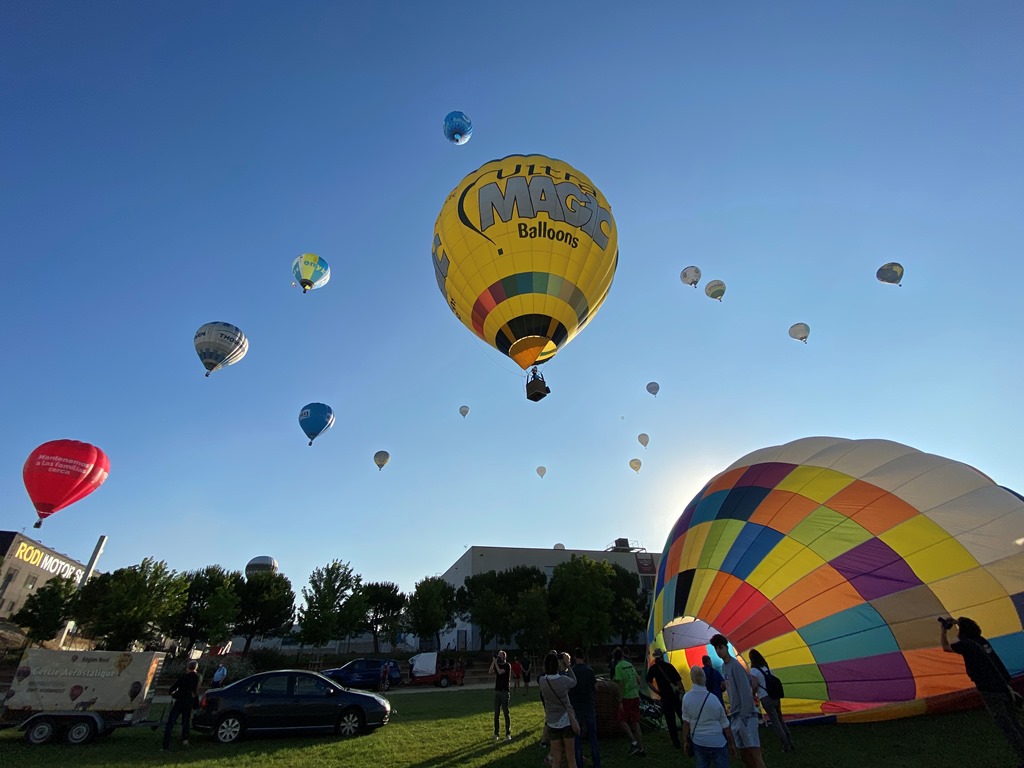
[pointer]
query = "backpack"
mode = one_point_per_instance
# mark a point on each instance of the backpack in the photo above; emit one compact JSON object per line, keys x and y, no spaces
{"x":773,"y":685}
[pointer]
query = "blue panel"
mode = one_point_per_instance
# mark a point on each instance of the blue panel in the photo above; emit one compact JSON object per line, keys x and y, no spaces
{"x":742,"y":501}
{"x":707,"y":508}
{"x":850,"y":634}
{"x":1010,"y":649}
{"x":763,"y":543}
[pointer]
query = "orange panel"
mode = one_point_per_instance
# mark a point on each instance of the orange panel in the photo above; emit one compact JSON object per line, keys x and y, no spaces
{"x":783,"y":510}
{"x":722,"y":589}
{"x":936,"y":672}
{"x":821,"y":593}
{"x":675,"y":554}
{"x":875,"y":509}
{"x":726,"y":481}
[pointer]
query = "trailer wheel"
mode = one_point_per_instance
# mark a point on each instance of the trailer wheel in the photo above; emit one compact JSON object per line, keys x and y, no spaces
{"x":41,"y":731}
{"x":229,"y":729}
{"x":443,"y":682}
{"x":80,"y":732}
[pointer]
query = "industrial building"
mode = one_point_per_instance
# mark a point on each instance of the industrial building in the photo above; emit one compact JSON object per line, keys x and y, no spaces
{"x":25,"y":565}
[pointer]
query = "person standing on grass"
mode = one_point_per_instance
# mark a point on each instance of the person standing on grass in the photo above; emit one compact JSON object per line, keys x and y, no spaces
{"x":584,"y":701}
{"x":628,"y":713}
{"x":759,"y":672}
{"x":501,"y":670}
{"x":219,"y":676}
{"x":989,"y":675}
{"x":526,"y":674}
{"x":184,"y":695}
{"x":705,"y":722}
{"x":556,"y":682}
{"x":517,"y":673}
{"x":669,"y":685}
{"x":743,"y":717}
{"x":715,"y":681}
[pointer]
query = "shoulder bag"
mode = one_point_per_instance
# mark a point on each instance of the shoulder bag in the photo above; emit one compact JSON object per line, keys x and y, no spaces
{"x":688,"y":747}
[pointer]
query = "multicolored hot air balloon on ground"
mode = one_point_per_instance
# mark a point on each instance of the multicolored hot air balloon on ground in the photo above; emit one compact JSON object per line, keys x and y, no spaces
{"x":219,"y":345}
{"x":60,"y":472}
{"x":834,"y":557}
{"x":311,"y":271}
{"x":524,"y":252}
{"x":891,"y":273}
{"x":458,"y":128}
{"x":315,"y":419}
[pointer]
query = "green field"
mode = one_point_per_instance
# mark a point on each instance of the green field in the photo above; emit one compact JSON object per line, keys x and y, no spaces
{"x":453,"y":728}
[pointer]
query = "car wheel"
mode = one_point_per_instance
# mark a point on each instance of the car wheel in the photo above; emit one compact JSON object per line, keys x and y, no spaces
{"x":229,"y":729}
{"x":80,"y":732}
{"x":41,"y":731}
{"x":350,"y":723}
{"x":443,"y":682}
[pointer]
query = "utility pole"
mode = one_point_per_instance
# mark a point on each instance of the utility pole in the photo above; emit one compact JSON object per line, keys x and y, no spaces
{"x":86,"y":575}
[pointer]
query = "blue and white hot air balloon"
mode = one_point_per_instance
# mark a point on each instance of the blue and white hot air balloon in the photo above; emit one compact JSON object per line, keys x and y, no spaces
{"x":311,"y":271}
{"x":458,"y":128}
{"x":219,"y":345}
{"x":315,"y":419}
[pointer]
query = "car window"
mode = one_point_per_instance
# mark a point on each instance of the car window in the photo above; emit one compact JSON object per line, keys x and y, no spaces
{"x":274,"y":685}
{"x":307,"y":685}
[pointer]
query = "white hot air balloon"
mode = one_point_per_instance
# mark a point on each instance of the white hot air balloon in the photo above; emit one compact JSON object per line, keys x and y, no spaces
{"x":690,"y":276}
{"x":464,"y":410}
{"x":542,"y":471}
{"x":800,"y":332}
{"x":643,"y":438}
{"x":653,"y":388}
{"x":220,"y":345}
{"x":380,"y":458}
{"x":635,"y":465}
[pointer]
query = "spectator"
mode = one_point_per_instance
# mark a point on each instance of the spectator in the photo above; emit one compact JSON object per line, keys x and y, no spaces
{"x":669,"y":685}
{"x":500,"y":669}
{"x":715,"y":681}
{"x":556,"y":682}
{"x":184,"y":696}
{"x":527,"y":664}
{"x":517,"y":673}
{"x":219,"y":676}
{"x":743,"y":717}
{"x":628,"y":714}
{"x":705,"y":722}
{"x":584,"y":701}
{"x":759,"y":672}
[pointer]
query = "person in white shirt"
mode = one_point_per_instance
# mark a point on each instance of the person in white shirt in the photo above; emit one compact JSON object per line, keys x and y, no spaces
{"x":705,"y":722}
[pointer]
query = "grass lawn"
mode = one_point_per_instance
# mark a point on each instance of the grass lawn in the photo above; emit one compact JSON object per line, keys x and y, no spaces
{"x":446,"y":728}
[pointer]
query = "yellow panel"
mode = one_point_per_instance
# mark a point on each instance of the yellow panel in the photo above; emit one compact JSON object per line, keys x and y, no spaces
{"x":941,"y":559}
{"x":979,"y":595}
{"x":786,"y":564}
{"x":694,"y":545}
{"x":788,"y":650}
{"x":703,"y":579}
{"x":720,"y":540}
{"x":815,"y":483}
{"x":913,"y":535}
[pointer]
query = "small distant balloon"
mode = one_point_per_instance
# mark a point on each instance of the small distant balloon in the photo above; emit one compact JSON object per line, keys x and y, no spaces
{"x":260,"y":564}
{"x":464,"y":410}
{"x":690,"y":276}
{"x":380,"y":458}
{"x":653,"y":388}
{"x":800,"y":332}
{"x":715,"y":289}
{"x":75,"y":692}
{"x":891,"y":273}
{"x":635,"y":465}
{"x":311,"y":271}
{"x":315,"y":419}
{"x":643,"y":438}
{"x":542,"y":471}
{"x":134,"y":690}
{"x":458,"y":128}
{"x":220,"y":345}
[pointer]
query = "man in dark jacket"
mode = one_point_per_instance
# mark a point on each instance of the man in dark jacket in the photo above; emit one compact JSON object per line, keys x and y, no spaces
{"x":584,"y":702}
{"x":184,"y":694}
{"x":989,"y":674}
{"x":666,"y":681}
{"x":714,"y":680}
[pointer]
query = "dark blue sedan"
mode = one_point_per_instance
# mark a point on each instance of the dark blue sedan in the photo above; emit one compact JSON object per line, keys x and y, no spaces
{"x":365,"y":673}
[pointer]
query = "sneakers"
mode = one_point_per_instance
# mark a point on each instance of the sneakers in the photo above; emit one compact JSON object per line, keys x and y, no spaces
{"x":508,"y":736}
{"x":634,"y":749}
{"x":641,"y":752}
{"x":497,"y":737}
{"x":184,"y":742}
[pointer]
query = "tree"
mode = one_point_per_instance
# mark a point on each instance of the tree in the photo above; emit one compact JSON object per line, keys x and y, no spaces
{"x":581,"y":599}
{"x":479,"y":600}
{"x":533,"y":620}
{"x":221,"y":611}
{"x":131,"y":604}
{"x":384,"y":606}
{"x":334,"y":606}
{"x":266,"y":606}
{"x":47,"y":610}
{"x":198,"y":616}
{"x":432,"y":608}
{"x":629,"y":608}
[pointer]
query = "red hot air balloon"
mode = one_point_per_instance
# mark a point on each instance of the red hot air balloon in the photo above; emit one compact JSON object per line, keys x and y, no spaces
{"x":75,"y":692}
{"x":61,"y":472}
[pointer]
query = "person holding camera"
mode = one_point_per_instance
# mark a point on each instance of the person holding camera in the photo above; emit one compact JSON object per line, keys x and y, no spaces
{"x":559,"y":716}
{"x":501,"y":669}
{"x":989,"y":675}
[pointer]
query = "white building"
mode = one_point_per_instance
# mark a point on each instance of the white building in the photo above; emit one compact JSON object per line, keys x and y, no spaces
{"x":477,"y":560}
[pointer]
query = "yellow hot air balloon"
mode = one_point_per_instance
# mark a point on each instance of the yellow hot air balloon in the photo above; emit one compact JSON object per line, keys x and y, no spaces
{"x":524,"y":251}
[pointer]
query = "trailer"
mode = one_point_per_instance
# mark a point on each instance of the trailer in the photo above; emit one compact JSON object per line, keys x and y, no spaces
{"x":427,"y":669}
{"x":79,"y":695}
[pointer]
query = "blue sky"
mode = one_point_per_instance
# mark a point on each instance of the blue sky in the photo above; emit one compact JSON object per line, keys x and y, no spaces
{"x":163,"y":164}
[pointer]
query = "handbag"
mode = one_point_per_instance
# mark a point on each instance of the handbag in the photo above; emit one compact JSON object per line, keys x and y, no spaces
{"x":688,"y":747}
{"x":573,"y":722}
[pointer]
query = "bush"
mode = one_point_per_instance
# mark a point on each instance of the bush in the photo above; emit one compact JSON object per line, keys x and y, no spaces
{"x":264,"y":659}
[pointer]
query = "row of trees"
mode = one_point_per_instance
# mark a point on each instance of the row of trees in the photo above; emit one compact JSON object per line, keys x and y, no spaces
{"x":587,"y":602}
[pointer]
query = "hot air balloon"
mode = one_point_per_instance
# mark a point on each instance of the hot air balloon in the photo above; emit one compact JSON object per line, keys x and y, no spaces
{"x":260,"y":564}
{"x":315,"y":419}
{"x":219,"y":345}
{"x":542,"y":471}
{"x":75,"y":691}
{"x":458,"y":128}
{"x":524,"y":253}
{"x":635,"y":465}
{"x":891,"y":273}
{"x":800,"y":331}
{"x":643,"y":438}
{"x":690,"y":276}
{"x":653,"y":388}
{"x":311,"y":271}
{"x":60,"y":472}
{"x":380,"y":458}
{"x":464,"y":410}
{"x":833,"y":558}
{"x":715,"y":289}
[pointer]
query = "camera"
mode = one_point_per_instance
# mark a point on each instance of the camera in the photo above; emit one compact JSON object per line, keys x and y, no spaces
{"x":946,"y":623}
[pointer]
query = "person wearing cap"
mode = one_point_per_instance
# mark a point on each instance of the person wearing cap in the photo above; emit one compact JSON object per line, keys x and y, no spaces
{"x":665,"y":679}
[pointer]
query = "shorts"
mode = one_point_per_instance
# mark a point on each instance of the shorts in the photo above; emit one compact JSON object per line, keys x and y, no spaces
{"x":526,"y":677}
{"x":561,"y":733}
{"x":744,"y":731}
{"x":629,"y":711}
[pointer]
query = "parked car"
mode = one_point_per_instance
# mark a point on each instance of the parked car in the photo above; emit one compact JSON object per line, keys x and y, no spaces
{"x":365,"y":673}
{"x":288,"y":699}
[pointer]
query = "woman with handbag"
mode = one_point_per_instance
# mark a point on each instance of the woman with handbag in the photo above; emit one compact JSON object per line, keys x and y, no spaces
{"x":706,"y":731}
{"x":559,"y":716}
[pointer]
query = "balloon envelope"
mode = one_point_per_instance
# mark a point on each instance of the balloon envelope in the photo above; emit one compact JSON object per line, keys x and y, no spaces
{"x":311,"y":271}
{"x":800,"y":332}
{"x":261,"y":564}
{"x":524,"y":252}
{"x":890,"y":273}
{"x":690,"y":276}
{"x":542,"y":471}
{"x":315,"y":419}
{"x":61,"y":472}
{"x":464,"y":410}
{"x":643,"y":438}
{"x":834,"y":557}
{"x":219,"y":345}
{"x":635,"y":464}
{"x":380,"y":458}
{"x":458,"y":128}
{"x":715,"y":289}
{"x":653,"y":388}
